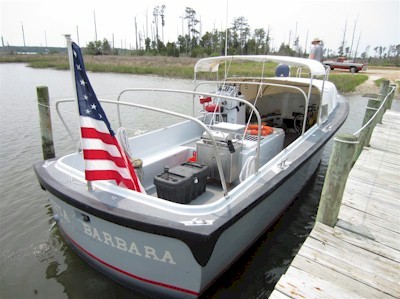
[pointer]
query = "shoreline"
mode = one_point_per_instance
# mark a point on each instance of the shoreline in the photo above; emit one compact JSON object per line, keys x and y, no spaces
{"x":182,"y":68}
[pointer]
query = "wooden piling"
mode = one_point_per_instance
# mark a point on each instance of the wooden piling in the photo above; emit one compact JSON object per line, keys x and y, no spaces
{"x":338,"y":170}
{"x":372,"y":107}
{"x":45,"y":122}
{"x":383,"y":91}
{"x":391,"y":97}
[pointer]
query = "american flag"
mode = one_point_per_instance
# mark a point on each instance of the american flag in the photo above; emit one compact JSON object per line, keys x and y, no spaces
{"x":104,"y":158}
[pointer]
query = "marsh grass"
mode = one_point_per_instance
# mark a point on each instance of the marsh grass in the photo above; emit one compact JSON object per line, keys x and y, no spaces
{"x":347,"y":82}
{"x":172,"y":67}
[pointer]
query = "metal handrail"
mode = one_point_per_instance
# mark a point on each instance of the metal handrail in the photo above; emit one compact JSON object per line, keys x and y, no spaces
{"x":213,"y":141}
{"x":252,"y":107}
{"x":306,"y":98}
{"x":393,"y":88}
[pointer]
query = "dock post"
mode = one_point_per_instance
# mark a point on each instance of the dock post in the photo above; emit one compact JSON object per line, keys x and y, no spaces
{"x":45,"y":122}
{"x":372,"y":106}
{"x":383,"y":91}
{"x":391,"y":97}
{"x":338,"y":170}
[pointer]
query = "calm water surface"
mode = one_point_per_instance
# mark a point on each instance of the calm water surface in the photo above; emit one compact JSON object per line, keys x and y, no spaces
{"x":36,"y":263}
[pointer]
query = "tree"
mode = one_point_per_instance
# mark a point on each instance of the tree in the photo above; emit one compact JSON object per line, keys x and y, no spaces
{"x":106,"y":48}
{"x":172,"y":50}
{"x":162,"y":10}
{"x":94,"y":48}
{"x":207,"y":43}
{"x":190,"y":16}
{"x":259,"y":36}
{"x":286,"y":50}
{"x":147,"y":43}
{"x":156,"y":13}
{"x":241,"y":31}
{"x":182,"y":44}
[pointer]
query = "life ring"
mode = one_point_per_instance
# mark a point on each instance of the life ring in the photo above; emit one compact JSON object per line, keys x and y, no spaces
{"x":265,"y":130}
{"x":252,"y":129}
{"x":255,"y":126}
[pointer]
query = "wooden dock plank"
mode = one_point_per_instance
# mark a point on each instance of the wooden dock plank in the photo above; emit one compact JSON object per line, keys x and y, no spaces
{"x":391,"y":116}
{"x":352,"y":286}
{"x":354,"y":221}
{"x":372,"y":202}
{"x":360,"y":256}
{"x":386,"y":136}
{"x":299,"y":284}
{"x":375,"y":174}
{"x":358,"y":240}
{"x":355,"y":186}
{"x":347,"y":259}
{"x":376,"y":156}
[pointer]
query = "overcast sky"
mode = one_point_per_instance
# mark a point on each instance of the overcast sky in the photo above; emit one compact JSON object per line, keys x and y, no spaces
{"x":378,"y":21}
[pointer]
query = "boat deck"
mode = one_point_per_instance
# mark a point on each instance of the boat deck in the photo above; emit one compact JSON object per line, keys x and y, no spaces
{"x":214,"y":189}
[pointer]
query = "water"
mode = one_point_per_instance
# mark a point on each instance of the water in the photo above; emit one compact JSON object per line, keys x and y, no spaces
{"x":36,"y":263}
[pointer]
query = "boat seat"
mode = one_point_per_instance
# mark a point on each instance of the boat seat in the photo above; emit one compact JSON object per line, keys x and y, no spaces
{"x":154,"y":164}
{"x":210,"y":108}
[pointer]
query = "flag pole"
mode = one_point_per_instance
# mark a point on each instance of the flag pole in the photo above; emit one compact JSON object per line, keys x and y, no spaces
{"x":72,"y":68}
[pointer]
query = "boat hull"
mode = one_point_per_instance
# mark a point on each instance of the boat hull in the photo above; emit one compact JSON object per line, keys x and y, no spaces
{"x":147,"y":262}
{"x":165,"y":266}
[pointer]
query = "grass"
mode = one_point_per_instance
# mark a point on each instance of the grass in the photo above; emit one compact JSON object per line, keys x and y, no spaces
{"x":181,"y":67}
{"x":347,"y":82}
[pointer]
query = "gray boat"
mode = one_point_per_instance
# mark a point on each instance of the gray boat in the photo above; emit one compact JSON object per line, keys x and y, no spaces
{"x":210,"y":184}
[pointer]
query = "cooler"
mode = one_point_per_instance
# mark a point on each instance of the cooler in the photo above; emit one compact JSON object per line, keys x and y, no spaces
{"x":183,"y":183}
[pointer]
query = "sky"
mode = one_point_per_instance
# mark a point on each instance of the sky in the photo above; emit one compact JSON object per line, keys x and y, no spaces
{"x":43,"y":23}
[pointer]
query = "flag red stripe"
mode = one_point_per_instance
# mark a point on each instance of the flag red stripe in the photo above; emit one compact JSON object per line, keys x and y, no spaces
{"x":93,"y":133}
{"x":135,"y":181}
{"x":103,"y":155}
{"x":95,"y":175}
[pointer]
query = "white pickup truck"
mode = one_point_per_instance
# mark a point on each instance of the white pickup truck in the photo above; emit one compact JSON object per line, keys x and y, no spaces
{"x":343,"y":63}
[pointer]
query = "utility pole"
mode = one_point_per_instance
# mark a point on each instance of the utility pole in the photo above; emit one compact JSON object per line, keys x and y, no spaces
{"x":358,"y":42}
{"x":45,"y":38}
{"x":305,"y":47}
{"x":147,"y":23}
{"x":344,"y":37}
{"x":77,"y":34}
{"x":182,"y":17}
{"x":352,"y":39}
{"x":95,"y":27}
{"x":23,"y":34}
{"x":136,"y":37}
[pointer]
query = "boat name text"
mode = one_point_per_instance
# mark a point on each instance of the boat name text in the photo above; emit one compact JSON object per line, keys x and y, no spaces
{"x":144,"y":251}
{"x":131,"y":247}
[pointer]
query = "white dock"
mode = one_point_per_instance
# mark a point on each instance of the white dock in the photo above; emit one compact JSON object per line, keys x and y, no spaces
{"x":360,"y":256}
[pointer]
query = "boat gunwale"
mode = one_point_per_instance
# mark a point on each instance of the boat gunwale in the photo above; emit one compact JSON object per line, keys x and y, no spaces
{"x":191,"y":235}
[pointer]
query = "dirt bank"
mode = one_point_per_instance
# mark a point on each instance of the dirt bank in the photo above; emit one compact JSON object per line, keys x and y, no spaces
{"x":375,"y":73}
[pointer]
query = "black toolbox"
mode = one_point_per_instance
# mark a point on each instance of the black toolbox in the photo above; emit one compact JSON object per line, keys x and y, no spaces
{"x":183,"y":183}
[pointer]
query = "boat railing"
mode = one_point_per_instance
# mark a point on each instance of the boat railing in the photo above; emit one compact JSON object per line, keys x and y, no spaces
{"x":261,"y":84}
{"x":118,"y":102}
{"x":377,"y":112}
